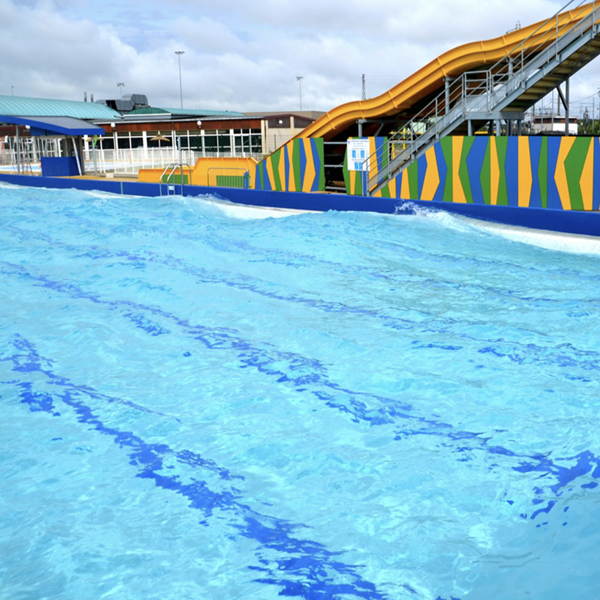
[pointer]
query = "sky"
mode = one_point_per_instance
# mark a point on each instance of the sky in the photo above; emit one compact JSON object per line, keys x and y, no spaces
{"x":246,"y":55}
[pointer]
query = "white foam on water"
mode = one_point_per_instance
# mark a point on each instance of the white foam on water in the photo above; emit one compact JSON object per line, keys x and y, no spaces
{"x":540,"y":238}
{"x":245,"y":211}
{"x":549,"y":240}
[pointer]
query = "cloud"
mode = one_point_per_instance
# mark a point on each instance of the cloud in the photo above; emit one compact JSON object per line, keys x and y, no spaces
{"x":242,"y":55}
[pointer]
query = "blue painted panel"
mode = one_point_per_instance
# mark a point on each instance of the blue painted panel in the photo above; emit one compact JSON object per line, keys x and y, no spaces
{"x":443,"y":172}
{"x":317,"y":163}
{"x":399,"y":183}
{"x":59,"y":166}
{"x":266,"y":180}
{"x":302,"y":151}
{"x":553,"y":151}
{"x":511,"y":170}
{"x":286,"y":158}
{"x":475,"y":165}
{"x":596,"y":190}
{"x":421,"y":173}
{"x":535,"y":150}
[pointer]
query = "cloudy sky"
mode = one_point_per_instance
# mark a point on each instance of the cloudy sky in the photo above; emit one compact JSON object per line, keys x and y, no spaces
{"x":244,"y":54}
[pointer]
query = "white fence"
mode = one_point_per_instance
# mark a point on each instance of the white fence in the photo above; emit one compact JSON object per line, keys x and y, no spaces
{"x":100,"y":161}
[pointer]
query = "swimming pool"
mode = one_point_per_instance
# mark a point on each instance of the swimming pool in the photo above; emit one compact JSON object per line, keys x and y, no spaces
{"x":203,"y":401}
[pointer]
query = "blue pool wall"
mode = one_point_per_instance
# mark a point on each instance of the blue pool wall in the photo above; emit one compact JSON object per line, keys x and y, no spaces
{"x":559,"y":220}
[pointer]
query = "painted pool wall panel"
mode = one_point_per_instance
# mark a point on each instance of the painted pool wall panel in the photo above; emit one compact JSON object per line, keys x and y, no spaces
{"x":527,"y":172}
{"x":298,"y":166}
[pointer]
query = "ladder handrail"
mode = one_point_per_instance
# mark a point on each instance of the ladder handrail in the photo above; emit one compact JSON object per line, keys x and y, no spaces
{"x":174,"y":167}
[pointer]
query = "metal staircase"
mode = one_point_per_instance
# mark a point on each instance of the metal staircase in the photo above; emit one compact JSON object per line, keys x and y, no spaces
{"x":549,"y":56}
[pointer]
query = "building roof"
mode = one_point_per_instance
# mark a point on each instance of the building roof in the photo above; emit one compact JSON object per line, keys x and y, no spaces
{"x":39,"y":107}
{"x":184,"y":112}
{"x":54,"y":125}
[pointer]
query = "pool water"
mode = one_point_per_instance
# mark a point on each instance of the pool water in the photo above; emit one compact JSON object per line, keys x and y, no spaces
{"x":203,"y":401}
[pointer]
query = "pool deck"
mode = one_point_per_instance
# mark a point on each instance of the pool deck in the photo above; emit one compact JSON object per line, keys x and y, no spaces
{"x":562,"y":221}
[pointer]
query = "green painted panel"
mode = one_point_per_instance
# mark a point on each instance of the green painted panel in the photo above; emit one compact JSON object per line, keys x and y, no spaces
{"x":261,"y":174}
{"x":297,"y":166}
{"x":463,"y":171}
{"x":174,"y":178}
{"x":358,"y":178}
{"x":232,"y":181}
{"x":543,"y":172}
{"x":346,"y":173}
{"x":485,"y":177}
{"x":413,"y":180}
{"x":275,"y":158}
{"x":574,"y":167}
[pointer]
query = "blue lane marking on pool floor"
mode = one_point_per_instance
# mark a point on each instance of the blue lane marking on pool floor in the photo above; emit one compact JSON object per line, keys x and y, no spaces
{"x":309,"y":560}
{"x":262,"y":359}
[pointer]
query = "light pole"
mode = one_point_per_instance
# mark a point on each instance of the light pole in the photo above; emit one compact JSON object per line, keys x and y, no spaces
{"x":179,"y":53}
{"x":12,"y":90}
{"x":121,"y":86}
{"x":299,"y":79}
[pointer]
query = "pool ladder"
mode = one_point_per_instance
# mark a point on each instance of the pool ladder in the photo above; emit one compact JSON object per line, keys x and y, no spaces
{"x":170,"y":171}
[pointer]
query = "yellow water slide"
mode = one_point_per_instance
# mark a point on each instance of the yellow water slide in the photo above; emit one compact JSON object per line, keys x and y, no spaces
{"x":430,"y":79}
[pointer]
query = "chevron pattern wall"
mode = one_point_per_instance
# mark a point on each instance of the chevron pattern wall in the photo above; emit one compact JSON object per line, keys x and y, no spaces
{"x":296,"y":167}
{"x":542,"y":172}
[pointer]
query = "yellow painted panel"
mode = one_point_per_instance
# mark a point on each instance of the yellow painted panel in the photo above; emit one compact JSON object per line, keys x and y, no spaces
{"x":432,"y":176}
{"x":150,"y":175}
{"x":392,"y":187}
{"x":560,"y":175}
{"x":373,"y":164}
{"x":586,"y":183}
{"x":458,"y":194}
{"x":404,"y":187}
{"x":282,"y":169}
{"x":525,"y":175}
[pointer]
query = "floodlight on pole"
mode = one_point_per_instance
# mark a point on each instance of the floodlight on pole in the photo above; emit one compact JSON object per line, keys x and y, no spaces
{"x":179,"y":53}
{"x":121,"y":86}
{"x":299,"y":79}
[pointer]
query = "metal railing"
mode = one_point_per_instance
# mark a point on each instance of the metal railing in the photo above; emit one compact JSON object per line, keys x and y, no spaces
{"x":482,"y":92}
{"x":233,"y":177}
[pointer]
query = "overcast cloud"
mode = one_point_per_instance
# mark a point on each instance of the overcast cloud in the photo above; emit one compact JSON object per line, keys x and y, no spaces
{"x":241,"y":54}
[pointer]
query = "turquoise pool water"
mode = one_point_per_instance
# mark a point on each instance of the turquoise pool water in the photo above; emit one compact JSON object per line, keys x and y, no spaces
{"x":202,"y":401}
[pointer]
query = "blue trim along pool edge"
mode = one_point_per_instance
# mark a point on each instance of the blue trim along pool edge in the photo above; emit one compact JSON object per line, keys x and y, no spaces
{"x":563,"y":221}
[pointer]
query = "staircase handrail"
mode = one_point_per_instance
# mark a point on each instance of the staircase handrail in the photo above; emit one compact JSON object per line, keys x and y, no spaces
{"x":486,"y":81}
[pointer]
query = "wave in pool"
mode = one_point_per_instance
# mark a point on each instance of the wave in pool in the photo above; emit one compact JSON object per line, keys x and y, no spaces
{"x":337,"y":405}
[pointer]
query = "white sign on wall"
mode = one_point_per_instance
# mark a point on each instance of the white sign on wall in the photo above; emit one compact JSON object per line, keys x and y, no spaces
{"x":358,"y":154}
